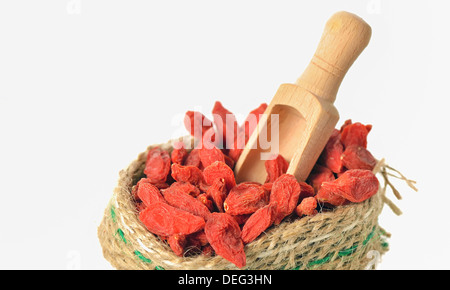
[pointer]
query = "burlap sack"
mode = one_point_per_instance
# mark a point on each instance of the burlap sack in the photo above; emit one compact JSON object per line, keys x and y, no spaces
{"x":348,"y":237}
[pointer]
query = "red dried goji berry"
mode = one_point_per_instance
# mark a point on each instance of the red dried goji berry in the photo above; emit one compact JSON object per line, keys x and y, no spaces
{"x":331,"y":154}
{"x":358,"y":157}
{"x":210,"y":155}
{"x":251,"y":183}
{"x":245,"y":198}
{"x":197,"y":239}
{"x":219,"y":170}
{"x":327,"y":196}
{"x":355,"y":134}
{"x":238,"y":146}
{"x":162,"y":185}
{"x":183,"y":187}
{"x":193,"y":158}
{"x":157,"y":166}
{"x":149,"y":194}
{"x":346,"y":123}
{"x":177,"y":242}
{"x":179,"y":153}
{"x":268,"y":186}
{"x":218,"y":192}
{"x":135,"y":188}
{"x":224,"y":235}
{"x":208,"y":140}
{"x":189,"y":174}
{"x":165,"y":220}
{"x":285,"y":194}
{"x":242,"y":218}
{"x":203,"y":186}
{"x":319,"y":175}
{"x":196,"y":123}
{"x":275,"y":167}
{"x":229,"y":161}
{"x":308,"y":206}
{"x":226,"y":124}
{"x":258,"y":222}
{"x":355,"y":185}
{"x":186,"y":202}
{"x":306,"y":190}
{"x":206,"y":201}
{"x":252,"y":120}
{"x":244,"y":132}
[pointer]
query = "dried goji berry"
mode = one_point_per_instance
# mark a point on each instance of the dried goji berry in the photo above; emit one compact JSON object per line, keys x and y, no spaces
{"x":179,"y":153}
{"x":210,"y":155}
{"x":219,"y":170}
{"x":177,"y":242}
{"x":224,"y":235}
{"x":242,"y":218}
{"x":189,"y":174}
{"x":306,"y":190}
{"x":197,"y":239}
{"x":308,"y":206}
{"x":245,"y":198}
{"x":285,"y":194}
{"x":238,"y":146}
{"x":193,"y":158}
{"x":218,"y":192}
{"x":355,"y":134}
{"x":358,"y":157}
{"x":203,"y":186}
{"x":206,"y":201}
{"x":229,"y":161}
{"x":135,"y":188}
{"x":165,"y":220}
{"x":208,"y":140}
{"x":226,"y":124}
{"x":149,"y":194}
{"x":183,"y":187}
{"x":258,"y":222}
{"x":161,"y":185}
{"x":331,"y":154}
{"x":328,"y":196}
{"x":245,"y":131}
{"x":251,"y":183}
{"x":346,"y":123}
{"x":268,"y":186}
{"x":275,"y":167}
{"x":319,"y":175}
{"x":355,"y":185}
{"x":157,"y":166}
{"x":252,"y":120}
{"x":196,"y":123}
{"x":186,"y":202}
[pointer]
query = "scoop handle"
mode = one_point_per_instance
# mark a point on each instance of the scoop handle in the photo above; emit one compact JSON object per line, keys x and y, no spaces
{"x":344,"y":38}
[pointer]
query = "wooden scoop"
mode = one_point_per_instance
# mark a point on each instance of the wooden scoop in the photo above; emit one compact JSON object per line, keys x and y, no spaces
{"x":304,"y":111}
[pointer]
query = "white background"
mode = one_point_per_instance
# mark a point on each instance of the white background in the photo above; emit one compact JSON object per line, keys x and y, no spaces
{"x":87,"y":85}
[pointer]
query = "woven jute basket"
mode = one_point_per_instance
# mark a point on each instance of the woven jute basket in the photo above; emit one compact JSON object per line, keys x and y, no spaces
{"x":348,"y":237}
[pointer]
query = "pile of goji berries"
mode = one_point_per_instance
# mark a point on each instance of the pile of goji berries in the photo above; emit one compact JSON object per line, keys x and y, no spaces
{"x":191,"y":200}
